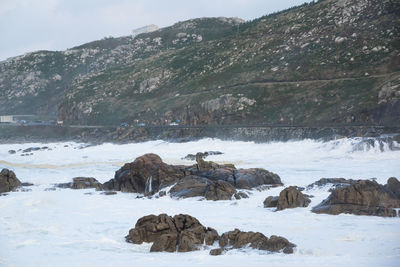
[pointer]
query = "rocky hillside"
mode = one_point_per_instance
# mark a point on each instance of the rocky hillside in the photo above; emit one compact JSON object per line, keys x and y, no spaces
{"x":330,"y":61}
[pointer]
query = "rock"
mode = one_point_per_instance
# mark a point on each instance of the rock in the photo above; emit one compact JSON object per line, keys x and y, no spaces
{"x":82,"y":183}
{"x":292,"y":198}
{"x":166,"y":242}
{"x":8,"y":181}
{"x":335,"y":182}
{"x":146,"y":175}
{"x":216,"y":251}
{"x":249,"y":178}
{"x":202,"y":155}
{"x":194,"y":186}
{"x":185,"y":233}
{"x":271,"y":202}
{"x":30,"y":149}
{"x":109,"y":193}
{"x":12,"y":151}
{"x":239,"y":239}
{"x":27,"y":184}
{"x":240,"y":195}
{"x":363,"y":198}
{"x":162,"y":193}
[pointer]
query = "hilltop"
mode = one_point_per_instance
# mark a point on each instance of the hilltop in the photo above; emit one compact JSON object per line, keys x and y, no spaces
{"x":330,"y":61}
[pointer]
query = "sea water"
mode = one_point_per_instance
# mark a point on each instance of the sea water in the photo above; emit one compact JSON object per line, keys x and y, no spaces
{"x":64,"y":227}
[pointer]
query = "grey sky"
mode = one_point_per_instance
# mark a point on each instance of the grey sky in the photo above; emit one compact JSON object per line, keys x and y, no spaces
{"x":29,"y":25}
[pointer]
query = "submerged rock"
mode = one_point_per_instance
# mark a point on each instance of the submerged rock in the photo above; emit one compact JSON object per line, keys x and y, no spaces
{"x":82,"y":183}
{"x":8,"y":181}
{"x":363,"y":198}
{"x":185,"y":233}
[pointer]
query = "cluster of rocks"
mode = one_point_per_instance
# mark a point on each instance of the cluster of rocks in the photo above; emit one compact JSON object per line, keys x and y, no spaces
{"x":185,"y":233}
{"x":148,"y":174}
{"x":8,"y":181}
{"x":364,"y":197}
{"x":28,"y":151}
{"x":290,"y":197}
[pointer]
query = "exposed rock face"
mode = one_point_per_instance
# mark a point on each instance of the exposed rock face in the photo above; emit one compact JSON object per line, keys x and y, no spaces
{"x":185,"y":233}
{"x":146,"y":175}
{"x":82,"y":183}
{"x":291,"y":197}
{"x":8,"y":181}
{"x":239,"y":239}
{"x":181,"y":233}
{"x":363,"y":198}
{"x":193,"y":186}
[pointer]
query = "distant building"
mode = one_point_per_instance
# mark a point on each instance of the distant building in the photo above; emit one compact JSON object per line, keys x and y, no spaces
{"x":145,"y":29}
{"x":6,"y":119}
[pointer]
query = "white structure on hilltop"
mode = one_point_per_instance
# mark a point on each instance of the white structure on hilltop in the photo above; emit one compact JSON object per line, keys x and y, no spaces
{"x":6,"y":119}
{"x":145,"y":29}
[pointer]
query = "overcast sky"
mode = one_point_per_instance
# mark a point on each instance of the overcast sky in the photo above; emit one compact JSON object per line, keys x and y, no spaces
{"x":30,"y":25}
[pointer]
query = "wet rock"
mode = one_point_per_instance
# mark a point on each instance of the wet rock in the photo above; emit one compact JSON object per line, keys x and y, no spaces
{"x":190,"y":186}
{"x":219,"y":190}
{"x":30,"y":149}
{"x":240,"y":195}
{"x":82,"y":183}
{"x":249,"y":178}
{"x":291,"y":197}
{"x":27,"y":184}
{"x":363,"y":198}
{"x":146,"y":175}
{"x":8,"y":181}
{"x":185,"y":233}
{"x":256,"y":240}
{"x":162,"y":193}
{"x":271,"y":202}
{"x":202,"y":155}
{"x":12,"y":151}
{"x":216,"y":251}
{"x":109,"y":193}
{"x":335,"y":182}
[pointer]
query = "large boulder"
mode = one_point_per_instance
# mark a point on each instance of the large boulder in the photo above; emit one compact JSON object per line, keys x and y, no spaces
{"x":194,"y":186}
{"x":271,"y":202}
{"x":8,"y":181}
{"x":146,"y":175}
{"x":291,"y":197}
{"x":363,"y":198}
{"x":82,"y":183}
{"x":239,"y":239}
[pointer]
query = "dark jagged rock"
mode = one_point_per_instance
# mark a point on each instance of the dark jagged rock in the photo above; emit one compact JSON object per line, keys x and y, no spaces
{"x":146,"y":175}
{"x":271,"y":202}
{"x":239,"y":239}
{"x":8,"y":181}
{"x":185,"y":233}
{"x":335,"y":182}
{"x":82,"y":183}
{"x":363,"y":198}
{"x":292,"y":198}
{"x":249,"y":178}
{"x":202,"y":155}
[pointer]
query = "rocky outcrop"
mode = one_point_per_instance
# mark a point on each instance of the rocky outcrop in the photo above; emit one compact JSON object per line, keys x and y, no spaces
{"x":8,"y":181}
{"x":181,"y":233}
{"x":202,"y":155}
{"x":185,"y":233}
{"x":82,"y":183}
{"x":290,"y":197}
{"x":146,"y":175}
{"x":363,"y":198}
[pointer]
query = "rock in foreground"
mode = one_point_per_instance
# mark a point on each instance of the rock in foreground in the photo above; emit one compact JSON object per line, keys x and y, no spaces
{"x":185,"y":233}
{"x":363,"y":198}
{"x":8,"y":181}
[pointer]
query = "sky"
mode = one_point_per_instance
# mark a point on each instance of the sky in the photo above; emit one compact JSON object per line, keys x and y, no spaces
{"x":30,"y":25}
